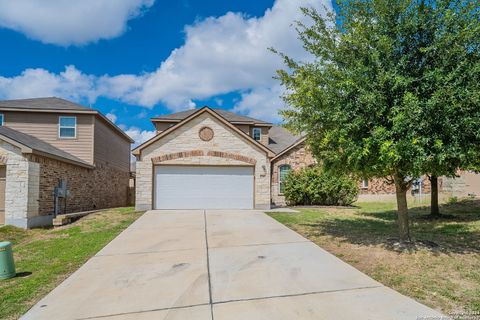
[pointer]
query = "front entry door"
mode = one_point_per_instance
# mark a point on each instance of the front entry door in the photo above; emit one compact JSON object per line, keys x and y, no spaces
{"x":3,"y":174}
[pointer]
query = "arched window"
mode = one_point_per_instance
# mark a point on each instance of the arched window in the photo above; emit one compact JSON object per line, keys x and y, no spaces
{"x":283,"y":171}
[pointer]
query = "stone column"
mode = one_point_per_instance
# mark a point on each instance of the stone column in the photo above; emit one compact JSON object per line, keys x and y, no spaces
{"x":144,"y":185}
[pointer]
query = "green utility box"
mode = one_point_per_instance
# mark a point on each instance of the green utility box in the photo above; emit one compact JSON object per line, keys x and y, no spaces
{"x":7,"y":266}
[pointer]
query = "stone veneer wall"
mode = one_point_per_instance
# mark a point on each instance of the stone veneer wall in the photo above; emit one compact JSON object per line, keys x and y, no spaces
{"x":185,"y":139}
{"x":21,"y":188}
{"x":298,"y":158}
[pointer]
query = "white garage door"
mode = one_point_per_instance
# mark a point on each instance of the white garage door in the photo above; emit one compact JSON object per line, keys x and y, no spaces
{"x":198,"y":187}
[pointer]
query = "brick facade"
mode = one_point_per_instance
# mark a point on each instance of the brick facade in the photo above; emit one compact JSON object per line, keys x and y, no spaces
{"x":233,"y":156}
{"x":383,"y":186}
{"x":201,"y":153}
{"x":297,"y":158}
{"x":177,"y":155}
{"x":90,"y":189}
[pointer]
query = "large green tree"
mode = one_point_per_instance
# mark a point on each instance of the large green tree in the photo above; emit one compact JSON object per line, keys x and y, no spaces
{"x":370,"y":100}
{"x":445,"y":58}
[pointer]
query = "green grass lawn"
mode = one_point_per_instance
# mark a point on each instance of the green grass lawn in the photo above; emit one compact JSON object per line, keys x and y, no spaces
{"x":45,"y":257}
{"x":443,"y":272}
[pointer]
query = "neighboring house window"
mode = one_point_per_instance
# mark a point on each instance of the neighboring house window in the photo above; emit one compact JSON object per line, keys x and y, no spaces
{"x":67,"y":127}
{"x":282,"y":174}
{"x":257,"y":132}
{"x":1,"y":119}
{"x":365,"y":184}
{"x":417,"y":185}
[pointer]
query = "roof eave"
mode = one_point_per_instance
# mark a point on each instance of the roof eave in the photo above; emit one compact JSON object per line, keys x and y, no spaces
{"x":23,"y":148}
{"x":252,"y":123}
{"x":115,"y":127}
{"x":164,"y":120}
{"x":136,"y":151}
{"x":27,"y":150}
{"x":62,"y":159}
{"x":287,"y":149}
{"x":49,"y":110}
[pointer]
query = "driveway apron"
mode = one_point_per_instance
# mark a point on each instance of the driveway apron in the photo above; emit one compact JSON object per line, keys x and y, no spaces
{"x":222,"y":265}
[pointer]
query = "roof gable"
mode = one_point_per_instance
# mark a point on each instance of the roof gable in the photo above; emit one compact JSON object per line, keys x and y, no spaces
{"x":227,"y":115}
{"x":280,"y":138}
{"x":289,"y":148}
{"x":137,"y":150}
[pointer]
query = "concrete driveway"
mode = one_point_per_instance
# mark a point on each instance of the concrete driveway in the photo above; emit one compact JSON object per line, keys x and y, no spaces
{"x":219,"y":264}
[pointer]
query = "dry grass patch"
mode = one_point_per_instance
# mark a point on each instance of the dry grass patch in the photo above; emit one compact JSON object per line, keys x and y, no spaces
{"x":441,"y":271}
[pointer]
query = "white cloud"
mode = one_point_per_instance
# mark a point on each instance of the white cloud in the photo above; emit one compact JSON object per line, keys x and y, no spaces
{"x":225,"y":54}
{"x":219,"y":102}
{"x":70,"y":84}
{"x":262,"y":103}
{"x":141,"y":115}
{"x":138,"y":135}
{"x":220,"y":55}
{"x":112,"y":117}
{"x":66,"y":22}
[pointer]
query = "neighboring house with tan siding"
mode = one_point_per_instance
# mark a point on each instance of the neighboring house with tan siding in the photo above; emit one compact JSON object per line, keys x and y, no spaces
{"x":212,"y":158}
{"x":47,"y":140}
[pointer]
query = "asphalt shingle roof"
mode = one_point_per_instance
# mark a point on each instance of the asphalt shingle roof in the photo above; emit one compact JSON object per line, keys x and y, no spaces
{"x":229,"y":116}
{"x":50,"y":103}
{"x":280,"y":139}
{"x":38,"y":145}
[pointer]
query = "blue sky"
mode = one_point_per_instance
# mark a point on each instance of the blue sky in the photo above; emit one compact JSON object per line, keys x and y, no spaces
{"x":135,"y":59}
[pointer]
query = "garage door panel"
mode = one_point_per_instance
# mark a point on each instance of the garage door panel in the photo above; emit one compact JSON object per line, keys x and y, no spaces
{"x":197,"y":187}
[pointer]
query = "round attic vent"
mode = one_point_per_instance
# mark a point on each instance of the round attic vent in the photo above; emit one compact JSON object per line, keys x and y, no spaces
{"x":206,"y":134}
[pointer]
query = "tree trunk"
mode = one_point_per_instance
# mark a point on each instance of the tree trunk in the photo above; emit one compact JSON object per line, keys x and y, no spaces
{"x":434,"y":209}
{"x":403,"y":221}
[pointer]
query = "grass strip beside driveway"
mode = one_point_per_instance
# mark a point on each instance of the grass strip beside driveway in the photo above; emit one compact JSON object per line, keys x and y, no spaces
{"x":45,"y":257}
{"x":443,"y":271}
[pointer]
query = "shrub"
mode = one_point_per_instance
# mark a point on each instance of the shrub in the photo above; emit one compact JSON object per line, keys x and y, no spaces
{"x":315,"y":186}
{"x":452,"y":200}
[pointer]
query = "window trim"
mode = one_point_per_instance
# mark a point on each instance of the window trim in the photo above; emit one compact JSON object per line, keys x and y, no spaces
{"x":259,"y":134}
{"x":417,"y":184}
{"x":3,"y":119}
{"x":364,"y":184}
{"x":68,"y":127}
{"x":280,"y":176}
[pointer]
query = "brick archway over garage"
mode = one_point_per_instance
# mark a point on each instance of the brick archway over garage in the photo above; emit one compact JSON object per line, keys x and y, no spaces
{"x":177,"y":155}
{"x":201,"y":153}
{"x":233,"y":156}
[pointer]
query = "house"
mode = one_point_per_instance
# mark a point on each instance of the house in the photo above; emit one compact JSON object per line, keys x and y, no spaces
{"x":211,"y":158}
{"x":50,"y":142}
